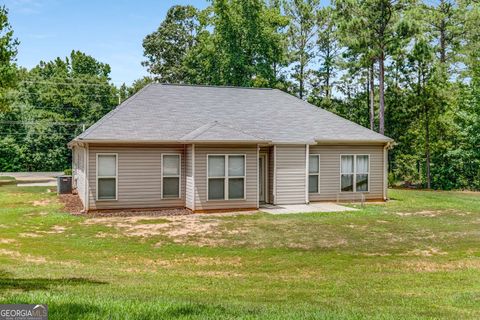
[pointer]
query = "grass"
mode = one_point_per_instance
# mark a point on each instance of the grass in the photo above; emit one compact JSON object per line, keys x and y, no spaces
{"x":417,"y":257}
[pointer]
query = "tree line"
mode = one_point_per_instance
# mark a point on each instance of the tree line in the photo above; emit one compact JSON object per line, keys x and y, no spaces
{"x":407,"y":69}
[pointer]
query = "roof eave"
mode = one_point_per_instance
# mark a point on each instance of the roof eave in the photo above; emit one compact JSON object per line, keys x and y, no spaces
{"x":358,"y":141}
{"x":114,"y":141}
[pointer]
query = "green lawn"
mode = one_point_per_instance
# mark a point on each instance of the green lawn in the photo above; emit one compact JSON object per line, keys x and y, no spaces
{"x":416,"y":257}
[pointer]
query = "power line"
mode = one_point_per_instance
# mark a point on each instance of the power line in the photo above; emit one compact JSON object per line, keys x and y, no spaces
{"x":41,"y":122}
{"x":81,"y":94}
{"x":67,"y":83}
{"x":75,"y":79}
{"x":6,"y":134}
{"x":108,"y":108}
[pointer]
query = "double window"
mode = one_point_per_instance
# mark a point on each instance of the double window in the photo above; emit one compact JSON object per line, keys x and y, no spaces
{"x":354,"y":173}
{"x":171,"y":173}
{"x":314,"y":173}
{"x":226,"y":177}
{"x":107,"y":175}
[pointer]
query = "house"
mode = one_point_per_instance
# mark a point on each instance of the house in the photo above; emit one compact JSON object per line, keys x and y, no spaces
{"x":211,"y":148}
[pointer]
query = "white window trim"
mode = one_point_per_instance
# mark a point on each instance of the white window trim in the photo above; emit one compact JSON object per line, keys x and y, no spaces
{"x":226,"y":177}
{"x":355,"y":173}
{"x":107,"y":177}
{"x":314,"y":174}
{"x":179,"y":176}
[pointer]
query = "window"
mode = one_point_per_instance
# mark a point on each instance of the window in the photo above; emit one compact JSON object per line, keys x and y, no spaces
{"x":314,"y":173}
{"x":361,"y":180}
{"x":107,"y":176}
{"x":171,"y":176}
{"x":226,"y":177}
{"x":354,"y":172}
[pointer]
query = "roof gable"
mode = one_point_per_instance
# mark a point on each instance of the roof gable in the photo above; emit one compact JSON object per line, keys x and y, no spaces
{"x":215,"y":131}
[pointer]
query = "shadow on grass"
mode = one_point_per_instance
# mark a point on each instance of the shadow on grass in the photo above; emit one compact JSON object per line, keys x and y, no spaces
{"x":73,"y":310}
{"x":185,"y":310}
{"x":7,"y":281}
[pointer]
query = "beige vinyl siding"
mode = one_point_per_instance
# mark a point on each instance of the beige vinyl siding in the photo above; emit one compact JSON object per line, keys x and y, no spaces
{"x":190,"y":189}
{"x":139,"y":177}
{"x":201,"y":201}
{"x":290,"y":172}
{"x":330,"y":172}
{"x":79,"y":171}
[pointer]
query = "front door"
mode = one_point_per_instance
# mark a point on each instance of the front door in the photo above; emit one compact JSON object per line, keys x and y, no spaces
{"x":262,"y":178}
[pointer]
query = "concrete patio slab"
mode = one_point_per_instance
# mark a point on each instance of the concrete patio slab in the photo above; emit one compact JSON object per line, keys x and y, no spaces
{"x":302,"y":208}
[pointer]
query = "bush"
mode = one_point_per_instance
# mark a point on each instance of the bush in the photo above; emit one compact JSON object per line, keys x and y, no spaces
{"x":67,"y":172}
{"x":391,"y":179}
{"x":406,"y":169}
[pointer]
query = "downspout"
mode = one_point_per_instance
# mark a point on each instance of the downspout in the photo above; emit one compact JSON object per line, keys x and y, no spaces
{"x":274,"y":175}
{"x":74,"y":173}
{"x":385,"y":170}
{"x":193,"y":177}
{"x":258,"y":177}
{"x":307,"y":158}
{"x":87,"y":175}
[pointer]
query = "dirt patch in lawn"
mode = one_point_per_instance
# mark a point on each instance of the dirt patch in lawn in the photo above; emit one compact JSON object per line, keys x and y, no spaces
{"x":423,"y":213}
{"x":432,"y":266}
{"x":217,"y":274}
{"x":29,"y":235}
{"x":202,"y":230}
{"x":21,"y":256}
{"x":376,"y":254}
{"x":175,"y":227}
{"x":41,"y":203}
{"x":56,"y":229}
{"x":25,"y":257}
{"x":34,"y":214}
{"x":216,"y":231}
{"x":425,"y":252}
{"x":7,"y":241}
{"x":357,"y":226}
{"x":140,"y":213}
{"x":107,"y":235}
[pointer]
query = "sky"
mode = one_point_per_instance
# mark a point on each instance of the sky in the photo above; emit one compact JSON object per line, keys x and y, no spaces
{"x":110,"y":31}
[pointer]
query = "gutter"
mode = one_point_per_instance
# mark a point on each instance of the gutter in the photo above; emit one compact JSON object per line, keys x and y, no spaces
{"x":347,"y":142}
{"x":75,"y":142}
{"x":261,"y":142}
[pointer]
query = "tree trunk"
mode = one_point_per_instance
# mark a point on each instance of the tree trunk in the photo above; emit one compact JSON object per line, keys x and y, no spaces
{"x":427,"y":146}
{"x":327,"y":84}
{"x":443,"y":49}
{"x":301,"y":80}
{"x":381,"y":93}
{"x":327,"y":74}
{"x":443,"y":42}
{"x":372,"y":96}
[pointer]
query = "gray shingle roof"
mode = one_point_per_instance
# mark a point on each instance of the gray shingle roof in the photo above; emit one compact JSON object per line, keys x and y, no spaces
{"x":174,"y":113}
